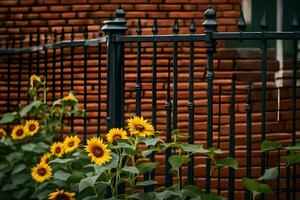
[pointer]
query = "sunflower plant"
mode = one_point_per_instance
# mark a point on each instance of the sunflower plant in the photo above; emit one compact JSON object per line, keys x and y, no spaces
{"x":119,"y":159}
{"x":26,"y":141}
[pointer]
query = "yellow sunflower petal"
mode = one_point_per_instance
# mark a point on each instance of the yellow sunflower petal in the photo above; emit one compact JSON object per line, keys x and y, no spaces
{"x":140,"y":127}
{"x":57,"y":149}
{"x":3,"y":133}
{"x":71,"y":143}
{"x":32,"y":127}
{"x":116,"y":133}
{"x":18,"y":132}
{"x":46,"y":157}
{"x":33,"y":79}
{"x":61,"y":194}
{"x":42,"y":172}
{"x":98,"y":151}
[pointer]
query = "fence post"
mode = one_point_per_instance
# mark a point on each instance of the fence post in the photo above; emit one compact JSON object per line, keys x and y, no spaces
{"x":210,"y":26}
{"x":115,"y":69}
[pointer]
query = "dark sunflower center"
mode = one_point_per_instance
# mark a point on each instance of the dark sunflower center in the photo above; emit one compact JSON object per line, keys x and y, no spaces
{"x":71,"y":144}
{"x":32,"y":127}
{"x":62,"y":197}
{"x":20,"y":132}
{"x":98,"y":152}
{"x":46,"y":160}
{"x":57,"y":150}
{"x":140,"y":127}
{"x":117,"y":136}
{"x":41,"y":172}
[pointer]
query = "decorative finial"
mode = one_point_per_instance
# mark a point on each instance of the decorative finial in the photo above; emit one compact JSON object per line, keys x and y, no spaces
{"x":120,"y":13}
{"x":176,"y":27}
{"x":193,"y":26}
{"x":155,"y":29}
{"x":210,"y":24}
{"x":241,"y":24}
{"x":263,"y":21}
{"x":295,"y":23}
{"x":139,"y":28}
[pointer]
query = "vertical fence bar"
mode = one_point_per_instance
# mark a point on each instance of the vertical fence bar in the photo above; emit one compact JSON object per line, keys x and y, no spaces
{"x":231,"y":176}
{"x":154,"y":107}
{"x":99,"y":86}
{"x":168,"y":106}
{"x":138,"y":84}
{"x":46,"y":62}
{"x":115,"y":72}
{"x":219,"y":134}
{"x":29,"y":64}
{"x":263,"y":25}
{"x":54,"y":66}
{"x":20,"y":70}
{"x":115,"y":69}
{"x":85,"y":94}
{"x":72,"y":71}
{"x":8,"y":81}
{"x":249,"y":138}
{"x":38,"y":42}
{"x":191,"y":105}
{"x":175,"y":75}
{"x":210,"y":26}
{"x":295,"y":26}
{"x":62,"y":37}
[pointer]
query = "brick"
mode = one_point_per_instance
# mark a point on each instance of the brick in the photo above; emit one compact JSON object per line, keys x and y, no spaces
{"x":56,"y":22}
{"x":73,"y":2}
{"x":84,"y":7}
{"x":99,"y":14}
{"x":59,"y":8}
{"x":9,"y":3}
{"x":49,"y":16}
{"x":19,"y":9}
{"x":39,"y":9}
{"x":169,"y":7}
{"x":68,"y":15}
{"x":145,"y":7}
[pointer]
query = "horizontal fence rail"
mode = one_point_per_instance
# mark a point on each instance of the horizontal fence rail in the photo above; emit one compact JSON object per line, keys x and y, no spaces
{"x":107,"y":100}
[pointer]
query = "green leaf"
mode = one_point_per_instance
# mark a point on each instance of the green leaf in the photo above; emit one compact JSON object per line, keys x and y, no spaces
{"x":88,"y":182}
{"x":32,"y":147}
{"x":192,"y":191}
{"x":8,"y":117}
{"x":270,"y":145}
{"x":147,"y":167}
{"x":21,"y":194}
{"x":177,"y":161}
{"x":8,"y":187}
{"x":20,"y":178}
{"x":144,"y":196}
{"x":131,"y":169}
{"x":18,"y":168}
{"x":227,"y":162}
{"x":255,"y":187}
{"x":193,"y":148}
{"x":270,"y":174}
{"x":61,"y":161}
{"x":28,"y":108}
{"x":148,"y":152}
{"x":292,"y":158}
{"x":75,"y":177}
{"x":14,"y":157}
{"x":80,"y":113}
{"x":212,"y":197}
{"x":61,"y":175}
{"x":167,"y":194}
{"x":150,"y":141}
{"x":146,"y":183}
{"x":293,"y":148}
{"x":113,"y":163}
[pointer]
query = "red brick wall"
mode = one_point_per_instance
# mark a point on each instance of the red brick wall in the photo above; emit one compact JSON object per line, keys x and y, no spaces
{"x":27,"y":16}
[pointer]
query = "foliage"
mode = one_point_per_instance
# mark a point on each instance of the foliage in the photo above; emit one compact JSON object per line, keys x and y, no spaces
{"x":44,"y":163}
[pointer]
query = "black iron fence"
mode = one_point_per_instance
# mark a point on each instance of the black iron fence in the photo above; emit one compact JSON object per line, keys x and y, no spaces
{"x":63,"y":62}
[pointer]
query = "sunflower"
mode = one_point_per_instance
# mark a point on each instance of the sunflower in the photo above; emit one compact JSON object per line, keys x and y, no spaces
{"x":98,"y":151}
{"x":2,"y":133}
{"x":18,"y":132}
{"x":41,"y":172}
{"x":32,"y":127}
{"x":57,"y":148}
{"x":116,"y":133}
{"x":61,"y":195}
{"x":71,"y":143}
{"x":69,"y":100}
{"x":46,"y":157}
{"x":140,"y":126}
{"x":33,"y":80}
